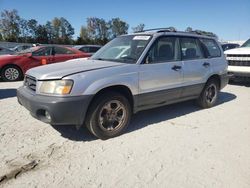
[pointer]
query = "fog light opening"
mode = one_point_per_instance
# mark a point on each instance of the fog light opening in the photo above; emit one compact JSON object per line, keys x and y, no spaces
{"x":47,"y":115}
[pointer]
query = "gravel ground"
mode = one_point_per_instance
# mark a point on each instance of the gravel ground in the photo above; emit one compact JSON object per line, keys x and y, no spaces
{"x":178,"y":145}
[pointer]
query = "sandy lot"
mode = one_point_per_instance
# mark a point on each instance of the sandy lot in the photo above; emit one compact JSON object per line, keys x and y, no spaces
{"x":175,"y":146}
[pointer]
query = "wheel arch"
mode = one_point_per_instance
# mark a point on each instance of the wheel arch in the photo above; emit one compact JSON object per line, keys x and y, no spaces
{"x":215,"y":77}
{"x":121,"y":89}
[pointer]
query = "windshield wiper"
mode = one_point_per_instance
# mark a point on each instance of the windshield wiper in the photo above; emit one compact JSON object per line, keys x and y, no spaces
{"x":102,"y":59}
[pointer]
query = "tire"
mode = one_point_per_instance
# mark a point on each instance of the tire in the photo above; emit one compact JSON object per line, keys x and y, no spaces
{"x":109,"y":115}
{"x":209,"y":94}
{"x":11,"y":73}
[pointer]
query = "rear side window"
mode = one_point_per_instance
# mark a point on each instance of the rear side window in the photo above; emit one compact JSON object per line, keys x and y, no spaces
{"x":93,"y":49}
{"x":62,"y":51}
{"x":212,"y":47}
{"x":190,"y":49}
{"x":85,"y":49}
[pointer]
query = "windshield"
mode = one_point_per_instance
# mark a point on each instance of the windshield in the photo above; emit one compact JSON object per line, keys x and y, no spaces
{"x":124,"y":49}
{"x":29,"y":50}
{"x":246,"y":44}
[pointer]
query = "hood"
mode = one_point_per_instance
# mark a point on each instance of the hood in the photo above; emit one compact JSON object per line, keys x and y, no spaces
{"x":60,"y":70}
{"x":8,"y":57}
{"x":235,"y":51}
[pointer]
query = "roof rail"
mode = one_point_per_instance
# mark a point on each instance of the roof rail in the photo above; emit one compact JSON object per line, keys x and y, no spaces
{"x":172,"y":29}
{"x":159,"y":30}
{"x":199,"y":32}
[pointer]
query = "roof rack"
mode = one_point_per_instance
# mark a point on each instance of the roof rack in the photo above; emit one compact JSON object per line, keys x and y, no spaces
{"x":159,"y":30}
{"x":199,"y":32}
{"x":172,"y":29}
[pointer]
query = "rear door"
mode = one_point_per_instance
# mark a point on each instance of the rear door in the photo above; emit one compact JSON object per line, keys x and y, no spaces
{"x":196,"y":67}
{"x":161,"y":75}
{"x":63,"y":54}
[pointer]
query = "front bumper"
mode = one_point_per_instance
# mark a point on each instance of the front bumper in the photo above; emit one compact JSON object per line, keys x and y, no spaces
{"x":242,"y":71}
{"x":62,"y":110}
{"x":224,"y":79}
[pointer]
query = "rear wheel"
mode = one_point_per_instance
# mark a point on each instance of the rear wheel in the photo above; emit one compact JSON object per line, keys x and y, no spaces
{"x":11,"y":73}
{"x":209,"y":95}
{"x":109,"y":115}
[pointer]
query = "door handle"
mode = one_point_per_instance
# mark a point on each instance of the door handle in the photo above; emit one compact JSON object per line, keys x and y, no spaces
{"x":176,"y":67}
{"x":206,"y":64}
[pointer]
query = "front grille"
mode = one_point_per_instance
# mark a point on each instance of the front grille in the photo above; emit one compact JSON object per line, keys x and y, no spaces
{"x":238,"y":63}
{"x":238,"y":55}
{"x":30,"y":82}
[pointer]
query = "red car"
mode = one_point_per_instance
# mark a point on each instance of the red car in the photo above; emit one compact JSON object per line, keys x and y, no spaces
{"x":13,"y":67}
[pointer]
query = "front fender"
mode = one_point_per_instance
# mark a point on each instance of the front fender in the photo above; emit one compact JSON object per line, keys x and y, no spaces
{"x":130,"y":81}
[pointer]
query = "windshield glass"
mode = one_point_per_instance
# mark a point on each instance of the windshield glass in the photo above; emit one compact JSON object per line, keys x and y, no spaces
{"x":29,"y":50}
{"x":124,"y":49}
{"x":246,"y":44}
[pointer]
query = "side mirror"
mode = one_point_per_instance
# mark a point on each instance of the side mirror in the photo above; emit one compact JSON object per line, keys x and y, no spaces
{"x":148,"y":60}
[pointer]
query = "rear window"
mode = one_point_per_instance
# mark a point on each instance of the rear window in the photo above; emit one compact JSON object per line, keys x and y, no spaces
{"x":212,"y":47}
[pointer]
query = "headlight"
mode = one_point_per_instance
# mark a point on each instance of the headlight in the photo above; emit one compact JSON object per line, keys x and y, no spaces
{"x":58,"y":87}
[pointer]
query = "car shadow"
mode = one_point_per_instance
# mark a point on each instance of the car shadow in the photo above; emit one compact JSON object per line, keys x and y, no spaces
{"x":144,"y":118}
{"x":7,"y":93}
{"x":70,"y":132}
{"x":240,"y":83}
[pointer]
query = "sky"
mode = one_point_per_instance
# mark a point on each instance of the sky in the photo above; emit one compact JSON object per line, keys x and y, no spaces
{"x":229,"y":19}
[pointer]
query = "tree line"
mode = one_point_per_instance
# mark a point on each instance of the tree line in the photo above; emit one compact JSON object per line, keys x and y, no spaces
{"x":14,"y":28}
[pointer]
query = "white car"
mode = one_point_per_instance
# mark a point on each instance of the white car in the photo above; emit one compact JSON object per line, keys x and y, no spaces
{"x":129,"y":74}
{"x":239,"y":61}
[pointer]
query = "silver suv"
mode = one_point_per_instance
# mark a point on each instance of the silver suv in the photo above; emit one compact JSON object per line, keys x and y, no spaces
{"x":131,"y":73}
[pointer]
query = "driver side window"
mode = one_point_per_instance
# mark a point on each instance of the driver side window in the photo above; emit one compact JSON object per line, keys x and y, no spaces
{"x":165,"y":49}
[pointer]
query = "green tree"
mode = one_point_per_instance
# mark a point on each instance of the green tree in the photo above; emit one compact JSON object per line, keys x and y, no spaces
{"x":84,"y":37}
{"x":41,"y":34}
{"x":118,"y":27}
{"x":98,"y":29}
{"x":138,"y":28}
{"x":24,"y":32}
{"x":56,"y":25}
{"x":9,"y":24}
{"x":62,"y":30}
{"x":189,"y":29}
{"x":50,"y":31}
{"x":67,"y":31}
{"x":32,"y":25}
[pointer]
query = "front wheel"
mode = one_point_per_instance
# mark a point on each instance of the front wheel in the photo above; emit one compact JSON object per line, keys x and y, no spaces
{"x":209,"y":94}
{"x":109,"y":115}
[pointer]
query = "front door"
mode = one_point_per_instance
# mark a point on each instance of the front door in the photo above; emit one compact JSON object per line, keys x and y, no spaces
{"x":41,"y":57}
{"x":161,"y":75}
